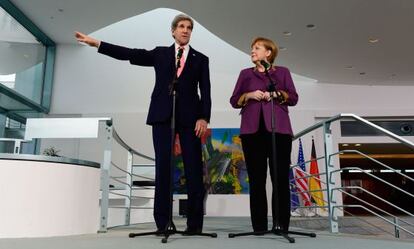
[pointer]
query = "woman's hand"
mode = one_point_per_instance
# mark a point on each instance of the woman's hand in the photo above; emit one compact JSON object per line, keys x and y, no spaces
{"x":87,"y":39}
{"x":282,"y":96}
{"x":256,"y":95}
{"x":267,"y":96}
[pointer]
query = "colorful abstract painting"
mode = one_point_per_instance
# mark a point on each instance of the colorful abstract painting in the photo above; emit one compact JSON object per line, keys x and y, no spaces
{"x":224,"y":166}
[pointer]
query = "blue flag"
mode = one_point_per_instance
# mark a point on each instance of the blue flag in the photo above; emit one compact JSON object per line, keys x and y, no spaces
{"x":301,"y":181}
{"x":294,"y":199}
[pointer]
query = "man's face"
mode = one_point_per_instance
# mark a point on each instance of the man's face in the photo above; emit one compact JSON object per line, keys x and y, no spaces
{"x":182,"y":33}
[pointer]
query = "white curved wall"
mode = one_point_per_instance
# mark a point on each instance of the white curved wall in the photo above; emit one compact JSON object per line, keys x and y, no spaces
{"x":41,"y":199}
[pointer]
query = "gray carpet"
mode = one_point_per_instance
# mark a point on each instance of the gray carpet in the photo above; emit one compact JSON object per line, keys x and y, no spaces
{"x":118,"y":238}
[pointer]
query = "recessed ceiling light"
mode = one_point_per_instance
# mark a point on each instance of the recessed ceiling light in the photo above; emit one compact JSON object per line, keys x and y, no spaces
{"x":287,"y":33}
{"x":282,"y":48}
{"x":26,"y":56}
{"x":357,"y":145}
{"x":311,"y":26}
{"x":345,"y":145}
{"x":373,"y":40}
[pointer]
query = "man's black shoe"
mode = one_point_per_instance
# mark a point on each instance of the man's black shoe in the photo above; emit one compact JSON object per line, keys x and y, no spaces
{"x":160,"y":232}
{"x":260,"y":232}
{"x":192,"y":231}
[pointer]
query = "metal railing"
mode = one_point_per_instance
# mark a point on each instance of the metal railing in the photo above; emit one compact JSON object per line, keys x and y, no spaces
{"x":330,"y":179}
{"x":125,"y":180}
{"x":17,"y":143}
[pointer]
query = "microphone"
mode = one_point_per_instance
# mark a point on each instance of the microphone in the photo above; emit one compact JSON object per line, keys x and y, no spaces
{"x":265,"y":64}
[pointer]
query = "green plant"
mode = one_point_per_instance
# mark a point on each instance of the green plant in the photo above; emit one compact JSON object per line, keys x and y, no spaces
{"x":51,"y":151}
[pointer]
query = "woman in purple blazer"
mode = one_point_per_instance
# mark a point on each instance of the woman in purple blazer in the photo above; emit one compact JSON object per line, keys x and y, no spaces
{"x":252,"y":96}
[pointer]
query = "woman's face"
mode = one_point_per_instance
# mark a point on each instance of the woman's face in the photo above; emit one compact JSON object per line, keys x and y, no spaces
{"x":259,"y":52}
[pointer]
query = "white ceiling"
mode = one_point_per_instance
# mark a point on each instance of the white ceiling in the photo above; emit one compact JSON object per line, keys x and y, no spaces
{"x":12,"y":31}
{"x":339,"y":41}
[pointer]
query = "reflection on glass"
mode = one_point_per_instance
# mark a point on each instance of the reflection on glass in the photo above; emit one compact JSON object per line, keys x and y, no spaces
{"x":21,"y":59}
{"x":8,"y":80}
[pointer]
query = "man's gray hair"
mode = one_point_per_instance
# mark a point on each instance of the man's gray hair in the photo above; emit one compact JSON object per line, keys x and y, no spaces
{"x":179,"y":18}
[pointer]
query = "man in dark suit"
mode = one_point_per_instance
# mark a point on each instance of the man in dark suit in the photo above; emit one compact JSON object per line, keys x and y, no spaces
{"x":192,"y":113}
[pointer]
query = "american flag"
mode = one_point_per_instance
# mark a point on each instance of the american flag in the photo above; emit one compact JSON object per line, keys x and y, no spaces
{"x":301,"y":181}
{"x":294,"y":198}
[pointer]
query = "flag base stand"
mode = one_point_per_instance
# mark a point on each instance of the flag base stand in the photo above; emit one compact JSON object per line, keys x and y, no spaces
{"x":275,"y":231}
{"x":171,"y":230}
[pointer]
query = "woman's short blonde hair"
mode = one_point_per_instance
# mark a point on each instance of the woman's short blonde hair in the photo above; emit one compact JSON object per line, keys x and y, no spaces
{"x":269,"y":45}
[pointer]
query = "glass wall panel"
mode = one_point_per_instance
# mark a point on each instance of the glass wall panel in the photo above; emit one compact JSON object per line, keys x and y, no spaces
{"x":3,"y":145}
{"x":26,"y":72}
{"x":22,"y":59}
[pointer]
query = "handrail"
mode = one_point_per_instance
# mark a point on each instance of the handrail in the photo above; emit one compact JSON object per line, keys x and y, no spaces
{"x":376,"y":214}
{"x":374,"y":160}
{"x":119,"y":168}
{"x":374,"y":195}
{"x":121,"y":182}
{"x":307,"y":175}
{"x":330,"y":168}
{"x":128,"y":148}
{"x":306,"y":162}
{"x":143,"y":177}
{"x":373,"y":176}
{"x":316,"y":126}
{"x":112,"y":136}
{"x":355,"y":117}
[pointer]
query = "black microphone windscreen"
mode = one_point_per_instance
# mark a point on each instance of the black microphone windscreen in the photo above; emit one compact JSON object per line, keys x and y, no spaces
{"x":265,"y":64}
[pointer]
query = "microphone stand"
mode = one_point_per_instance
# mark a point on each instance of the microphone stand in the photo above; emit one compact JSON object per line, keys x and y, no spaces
{"x":170,"y":227}
{"x":271,"y":88}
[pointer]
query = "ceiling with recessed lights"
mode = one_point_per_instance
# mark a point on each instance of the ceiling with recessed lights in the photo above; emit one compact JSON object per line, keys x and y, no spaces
{"x":333,"y":41}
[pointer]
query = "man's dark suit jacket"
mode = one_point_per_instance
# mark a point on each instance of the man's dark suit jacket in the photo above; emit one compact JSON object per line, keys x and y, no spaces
{"x":190,"y":105}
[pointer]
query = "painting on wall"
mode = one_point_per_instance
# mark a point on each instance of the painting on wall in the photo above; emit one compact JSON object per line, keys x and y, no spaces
{"x":224,"y":167}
